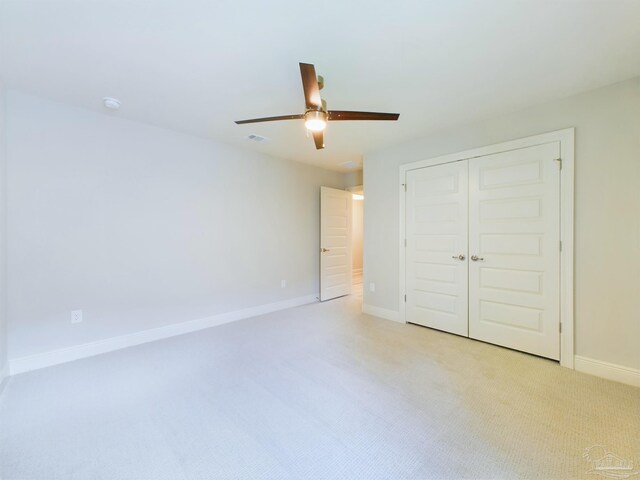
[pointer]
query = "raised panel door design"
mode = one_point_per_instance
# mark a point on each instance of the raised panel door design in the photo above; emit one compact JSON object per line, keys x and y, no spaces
{"x":436,"y":229}
{"x":514,"y":230}
{"x":335,"y":242}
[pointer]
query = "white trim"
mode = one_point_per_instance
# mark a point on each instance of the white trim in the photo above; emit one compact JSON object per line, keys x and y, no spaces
{"x":567,"y":149}
{"x":566,"y":138}
{"x":381,"y":313}
{"x":402,"y":242}
{"x":355,"y":189}
{"x":610,"y":371}
{"x":63,"y":355}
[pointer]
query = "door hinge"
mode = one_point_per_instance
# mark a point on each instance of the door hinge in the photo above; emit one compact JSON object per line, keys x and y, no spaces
{"x":559,"y":160}
{"x":405,"y":242}
{"x":560,"y":245}
{"x":560,"y":327}
{"x":405,"y":298}
{"x":405,"y":186}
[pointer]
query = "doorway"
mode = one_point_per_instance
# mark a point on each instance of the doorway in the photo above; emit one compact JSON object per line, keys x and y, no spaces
{"x":341,"y":242}
{"x":483,"y":257}
{"x":486,"y":244}
{"x":357,"y":235}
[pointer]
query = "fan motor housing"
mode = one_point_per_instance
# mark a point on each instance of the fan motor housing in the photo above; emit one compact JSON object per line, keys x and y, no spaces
{"x":315,"y":120}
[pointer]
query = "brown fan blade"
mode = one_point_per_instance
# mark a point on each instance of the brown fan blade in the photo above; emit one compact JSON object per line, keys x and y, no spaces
{"x":347,"y":115}
{"x":270,"y":119}
{"x":318,"y":138}
{"x":310,"y":86}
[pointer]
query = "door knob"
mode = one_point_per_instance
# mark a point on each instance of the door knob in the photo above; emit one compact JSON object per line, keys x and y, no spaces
{"x":324,"y":249}
{"x":476,"y":258}
{"x":459,"y":257}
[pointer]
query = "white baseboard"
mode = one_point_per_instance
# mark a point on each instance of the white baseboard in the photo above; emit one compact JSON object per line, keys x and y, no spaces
{"x":382,"y":313}
{"x":63,"y":355}
{"x":610,"y":371}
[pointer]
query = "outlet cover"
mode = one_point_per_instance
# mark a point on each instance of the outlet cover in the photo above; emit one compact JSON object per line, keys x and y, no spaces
{"x":76,"y":316}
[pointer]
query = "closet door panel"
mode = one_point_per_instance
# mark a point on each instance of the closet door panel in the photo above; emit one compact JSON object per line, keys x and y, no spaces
{"x":436,"y":251}
{"x":514,"y":231}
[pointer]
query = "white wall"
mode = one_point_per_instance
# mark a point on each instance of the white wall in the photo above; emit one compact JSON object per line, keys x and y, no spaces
{"x":607,"y":210}
{"x":3,"y":289}
{"x":353,"y":179}
{"x":357,"y":228}
{"x":142,"y":227}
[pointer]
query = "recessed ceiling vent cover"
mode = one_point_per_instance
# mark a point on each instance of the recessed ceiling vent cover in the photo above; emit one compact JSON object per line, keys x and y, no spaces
{"x":349,"y":164}
{"x":257,"y":138}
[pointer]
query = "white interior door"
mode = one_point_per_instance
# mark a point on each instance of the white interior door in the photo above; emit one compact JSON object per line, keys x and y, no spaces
{"x":335,"y":243}
{"x":514,"y":231}
{"x":436,"y":250}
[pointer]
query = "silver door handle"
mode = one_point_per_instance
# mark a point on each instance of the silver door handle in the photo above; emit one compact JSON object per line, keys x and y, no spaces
{"x":324,"y":250}
{"x":476,"y":258}
{"x":459,"y":257}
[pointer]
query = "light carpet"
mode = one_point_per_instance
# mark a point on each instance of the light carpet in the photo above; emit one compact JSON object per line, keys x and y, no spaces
{"x":315,"y":392}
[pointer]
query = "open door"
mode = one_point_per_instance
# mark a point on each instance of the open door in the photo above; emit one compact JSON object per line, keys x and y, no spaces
{"x":335,"y":243}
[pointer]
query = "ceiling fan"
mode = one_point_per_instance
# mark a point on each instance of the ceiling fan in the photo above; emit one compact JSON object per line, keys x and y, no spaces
{"x":316,"y":114}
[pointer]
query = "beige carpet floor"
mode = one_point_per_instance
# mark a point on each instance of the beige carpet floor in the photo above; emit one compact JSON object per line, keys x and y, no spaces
{"x":315,"y":392}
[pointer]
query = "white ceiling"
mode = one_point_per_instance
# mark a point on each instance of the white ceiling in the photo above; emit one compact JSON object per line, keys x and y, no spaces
{"x":195,"y":66}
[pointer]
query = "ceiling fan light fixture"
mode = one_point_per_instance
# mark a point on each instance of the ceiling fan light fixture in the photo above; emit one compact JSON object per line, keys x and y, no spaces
{"x":316,"y":114}
{"x":315,"y":120}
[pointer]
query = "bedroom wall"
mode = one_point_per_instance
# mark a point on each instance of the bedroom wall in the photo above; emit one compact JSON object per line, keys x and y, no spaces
{"x":353,"y":179}
{"x":607,"y":210}
{"x":4,"y":369}
{"x":141,"y":227}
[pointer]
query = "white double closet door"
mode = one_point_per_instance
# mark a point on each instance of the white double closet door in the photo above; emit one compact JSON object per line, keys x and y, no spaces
{"x":483,"y":248}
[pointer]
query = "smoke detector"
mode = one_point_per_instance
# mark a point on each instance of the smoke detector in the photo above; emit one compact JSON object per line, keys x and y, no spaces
{"x":111,"y":103}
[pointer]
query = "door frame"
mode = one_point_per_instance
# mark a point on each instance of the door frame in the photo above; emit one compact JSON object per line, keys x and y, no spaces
{"x":566,"y":138}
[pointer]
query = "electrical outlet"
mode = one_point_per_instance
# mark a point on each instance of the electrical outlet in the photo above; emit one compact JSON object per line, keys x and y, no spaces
{"x":76,"y":316}
{"x":283,"y":284}
{"x":372,"y":287}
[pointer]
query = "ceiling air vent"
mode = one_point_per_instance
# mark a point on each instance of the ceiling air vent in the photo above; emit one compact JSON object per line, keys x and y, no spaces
{"x":349,"y":164}
{"x":257,"y":138}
